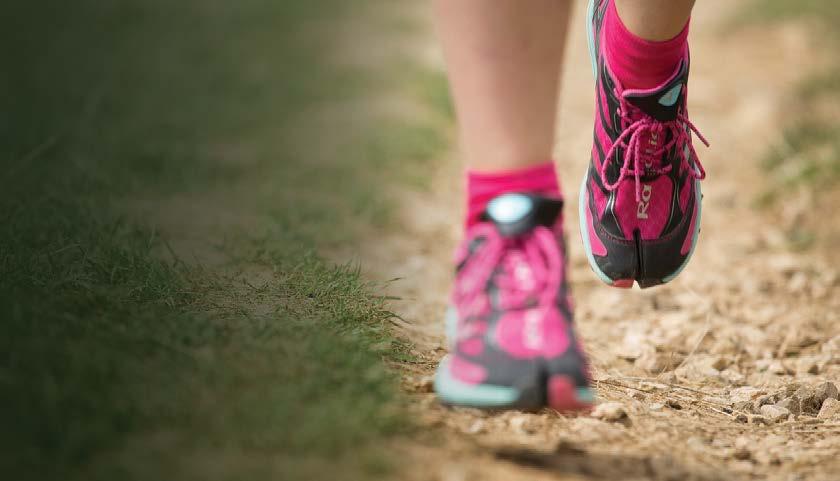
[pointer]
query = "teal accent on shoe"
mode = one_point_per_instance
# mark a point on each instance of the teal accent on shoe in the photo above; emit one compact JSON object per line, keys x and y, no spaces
{"x":584,"y":234}
{"x":585,"y":395}
{"x":509,"y":208}
{"x":450,"y":326}
{"x":699,"y":199}
{"x":453,"y":391}
{"x":670,"y":98}
{"x":590,"y":37}
{"x":584,"y":230}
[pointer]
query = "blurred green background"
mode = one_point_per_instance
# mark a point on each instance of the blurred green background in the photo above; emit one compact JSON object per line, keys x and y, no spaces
{"x":169,"y":169}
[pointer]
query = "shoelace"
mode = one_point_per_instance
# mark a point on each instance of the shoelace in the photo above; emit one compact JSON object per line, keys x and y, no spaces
{"x":528,"y":267}
{"x":638,"y":156}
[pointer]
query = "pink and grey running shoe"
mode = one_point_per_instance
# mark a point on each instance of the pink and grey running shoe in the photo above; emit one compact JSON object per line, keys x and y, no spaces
{"x":640,"y":198}
{"x":512,"y":343}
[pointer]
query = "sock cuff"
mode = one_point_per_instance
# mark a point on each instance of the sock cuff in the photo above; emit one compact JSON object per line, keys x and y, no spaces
{"x":637,"y":62}
{"x":483,"y":186}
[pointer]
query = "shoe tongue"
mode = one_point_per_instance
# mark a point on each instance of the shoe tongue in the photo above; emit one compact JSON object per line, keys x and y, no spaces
{"x":515,"y":214}
{"x":662,"y":102}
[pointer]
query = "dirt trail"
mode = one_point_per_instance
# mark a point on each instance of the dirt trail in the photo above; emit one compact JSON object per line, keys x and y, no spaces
{"x":748,"y":323}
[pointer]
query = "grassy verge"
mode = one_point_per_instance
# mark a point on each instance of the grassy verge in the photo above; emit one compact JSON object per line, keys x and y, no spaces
{"x":123,"y":357}
{"x":808,"y":154}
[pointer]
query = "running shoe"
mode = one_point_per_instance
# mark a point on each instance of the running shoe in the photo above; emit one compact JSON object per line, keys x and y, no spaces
{"x":512,"y":343}
{"x":640,"y":198}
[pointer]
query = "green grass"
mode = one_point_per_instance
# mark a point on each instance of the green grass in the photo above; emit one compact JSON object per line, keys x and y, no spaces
{"x":808,"y":153}
{"x":122,"y":356}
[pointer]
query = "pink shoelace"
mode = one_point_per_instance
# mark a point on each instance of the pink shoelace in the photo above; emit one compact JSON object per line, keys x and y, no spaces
{"x":639,"y":155}
{"x":531,"y":269}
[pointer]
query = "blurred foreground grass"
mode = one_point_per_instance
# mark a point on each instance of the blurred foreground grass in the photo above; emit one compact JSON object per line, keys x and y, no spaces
{"x":123,"y":356}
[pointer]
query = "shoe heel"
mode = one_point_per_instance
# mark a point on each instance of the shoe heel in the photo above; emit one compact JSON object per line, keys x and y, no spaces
{"x":564,"y":396}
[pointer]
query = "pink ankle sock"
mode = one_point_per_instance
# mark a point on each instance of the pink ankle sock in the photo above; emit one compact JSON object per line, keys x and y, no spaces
{"x":483,"y":186}
{"x":640,"y":63}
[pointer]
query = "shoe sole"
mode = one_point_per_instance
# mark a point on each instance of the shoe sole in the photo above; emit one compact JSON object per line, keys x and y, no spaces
{"x":584,"y":229}
{"x":558,"y":392}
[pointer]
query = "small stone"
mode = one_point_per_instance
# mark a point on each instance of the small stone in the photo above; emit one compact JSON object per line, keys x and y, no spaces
{"x":830,"y":409}
{"x":798,"y":282}
{"x":720,"y":443}
{"x":477,"y":427}
{"x":565,"y":446}
{"x":742,"y":451}
{"x":424,"y":384}
{"x":744,"y":407}
{"x":673,"y":404}
{"x":696,"y":443}
{"x":656,"y":362}
{"x":524,"y":424}
{"x":774,"y":413}
{"x":720,"y":363}
{"x":767,"y":458}
{"x":732,"y":376}
{"x":812,"y":398}
{"x":777,"y":368}
{"x":649,"y":386}
{"x":656,"y":406}
{"x":763,"y":401}
{"x":746,"y":393}
{"x":611,"y":412}
{"x":633,"y":345}
{"x":741,"y":418}
{"x":832,"y":346}
{"x":827,"y":390}
{"x":792,"y":404}
{"x":721,"y":401}
{"x":807,"y":366}
{"x":790,"y":390}
{"x":759,"y":420}
{"x":638,"y":396}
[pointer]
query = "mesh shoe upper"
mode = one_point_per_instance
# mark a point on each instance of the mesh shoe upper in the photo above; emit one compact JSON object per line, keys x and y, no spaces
{"x":642,"y":191}
{"x":514,"y":312}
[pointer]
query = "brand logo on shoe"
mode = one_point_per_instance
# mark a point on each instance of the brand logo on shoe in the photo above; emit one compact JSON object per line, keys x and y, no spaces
{"x":644,"y":203}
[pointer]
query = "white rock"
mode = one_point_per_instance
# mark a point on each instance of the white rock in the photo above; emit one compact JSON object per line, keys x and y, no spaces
{"x":477,"y":427}
{"x":524,"y":424}
{"x":830,"y":409}
{"x":776,"y":367}
{"x":744,"y":394}
{"x":611,"y":411}
{"x":658,"y":362}
{"x":774,"y":413}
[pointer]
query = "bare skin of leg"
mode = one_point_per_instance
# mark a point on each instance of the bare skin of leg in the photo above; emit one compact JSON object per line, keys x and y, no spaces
{"x":654,"y":20}
{"x":504,"y":59}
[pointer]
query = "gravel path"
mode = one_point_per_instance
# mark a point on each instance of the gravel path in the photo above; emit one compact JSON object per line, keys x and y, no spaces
{"x":724,"y":374}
